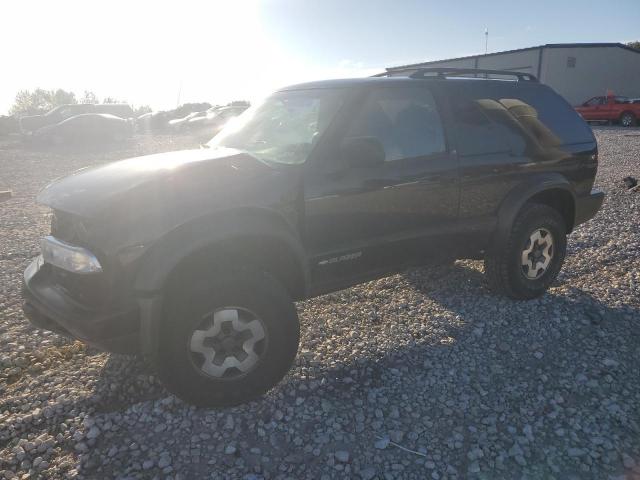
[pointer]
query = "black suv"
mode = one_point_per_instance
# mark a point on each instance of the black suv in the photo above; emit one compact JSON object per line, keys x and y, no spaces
{"x":194,"y":258}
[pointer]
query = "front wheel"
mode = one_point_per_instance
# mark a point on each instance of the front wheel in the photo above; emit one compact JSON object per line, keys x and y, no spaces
{"x":533,"y":255}
{"x":229,"y":339}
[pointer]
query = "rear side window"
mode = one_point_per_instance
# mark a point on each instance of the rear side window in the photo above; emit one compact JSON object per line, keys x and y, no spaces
{"x":556,"y":114}
{"x":516,"y":114}
{"x":405,"y":120}
{"x":481,"y":129}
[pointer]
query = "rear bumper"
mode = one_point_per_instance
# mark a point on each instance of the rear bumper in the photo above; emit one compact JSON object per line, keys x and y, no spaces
{"x":48,"y":306}
{"x":587,"y":206}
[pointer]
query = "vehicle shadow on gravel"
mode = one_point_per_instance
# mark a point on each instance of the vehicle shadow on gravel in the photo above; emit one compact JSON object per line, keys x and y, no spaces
{"x":127,"y":380}
{"x":463,"y":290}
{"x":124,"y":381}
{"x":483,"y":353}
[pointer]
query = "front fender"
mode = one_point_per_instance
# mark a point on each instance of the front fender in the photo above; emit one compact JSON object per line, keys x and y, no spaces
{"x":164,"y":255}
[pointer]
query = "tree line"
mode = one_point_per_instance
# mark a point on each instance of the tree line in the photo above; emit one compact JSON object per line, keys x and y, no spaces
{"x":33,"y":102}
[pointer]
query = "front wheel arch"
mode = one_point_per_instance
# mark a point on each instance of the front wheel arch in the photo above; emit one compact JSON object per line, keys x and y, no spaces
{"x":207,"y":233}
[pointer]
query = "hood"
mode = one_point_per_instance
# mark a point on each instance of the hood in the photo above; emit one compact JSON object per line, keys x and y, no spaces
{"x":150,"y":179}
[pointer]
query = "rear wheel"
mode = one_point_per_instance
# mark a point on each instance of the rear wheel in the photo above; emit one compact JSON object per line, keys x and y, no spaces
{"x":533,"y":254}
{"x":627,"y":119}
{"x":228,"y":340}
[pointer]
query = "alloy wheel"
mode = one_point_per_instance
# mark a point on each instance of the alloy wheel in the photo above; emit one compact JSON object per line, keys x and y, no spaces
{"x":537,"y":254}
{"x":228,"y":344}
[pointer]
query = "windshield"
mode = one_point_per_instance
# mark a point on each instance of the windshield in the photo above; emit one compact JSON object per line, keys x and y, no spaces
{"x":285,"y":127}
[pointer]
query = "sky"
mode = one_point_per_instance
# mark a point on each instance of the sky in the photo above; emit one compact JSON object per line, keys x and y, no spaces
{"x":160,"y":53}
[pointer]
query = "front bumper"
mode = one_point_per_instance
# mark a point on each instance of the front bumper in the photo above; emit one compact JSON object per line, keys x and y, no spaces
{"x":47,"y":305}
{"x":587,"y":206}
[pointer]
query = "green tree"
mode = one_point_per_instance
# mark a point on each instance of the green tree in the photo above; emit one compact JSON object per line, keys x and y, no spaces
{"x":40,"y":101}
{"x":635,"y":45}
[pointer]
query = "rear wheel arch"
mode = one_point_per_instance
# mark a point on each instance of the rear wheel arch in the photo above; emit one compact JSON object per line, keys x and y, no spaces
{"x":560,"y":200}
{"x":552,"y":189}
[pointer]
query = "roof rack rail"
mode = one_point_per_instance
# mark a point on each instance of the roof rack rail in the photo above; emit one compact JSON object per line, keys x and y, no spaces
{"x":443,"y":72}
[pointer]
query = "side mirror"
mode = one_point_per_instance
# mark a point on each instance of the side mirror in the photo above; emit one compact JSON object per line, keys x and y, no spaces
{"x":362,"y":152}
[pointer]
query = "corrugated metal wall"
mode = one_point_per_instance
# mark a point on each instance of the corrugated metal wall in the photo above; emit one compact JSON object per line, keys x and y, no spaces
{"x":577,"y":73}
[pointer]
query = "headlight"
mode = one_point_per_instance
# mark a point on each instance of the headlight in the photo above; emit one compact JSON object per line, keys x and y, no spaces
{"x":69,"y":257}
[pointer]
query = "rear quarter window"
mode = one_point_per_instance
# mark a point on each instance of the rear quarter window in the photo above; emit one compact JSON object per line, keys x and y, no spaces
{"x":537,"y":109}
{"x":556,"y":114}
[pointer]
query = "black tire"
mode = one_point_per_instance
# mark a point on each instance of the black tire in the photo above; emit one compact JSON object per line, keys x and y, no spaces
{"x":627,"y":119}
{"x":253,"y":290}
{"x":504,"y":270}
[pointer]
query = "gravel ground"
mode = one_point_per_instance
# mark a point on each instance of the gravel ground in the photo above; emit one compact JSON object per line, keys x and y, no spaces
{"x":425,"y":374}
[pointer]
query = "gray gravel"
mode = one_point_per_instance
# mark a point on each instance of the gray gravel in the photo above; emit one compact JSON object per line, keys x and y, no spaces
{"x":425,"y":374}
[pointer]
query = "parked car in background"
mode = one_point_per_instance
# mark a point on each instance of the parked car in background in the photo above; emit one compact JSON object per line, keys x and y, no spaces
{"x":87,"y":127}
{"x":216,"y":118}
{"x":182,"y":123}
{"x":31,"y":123}
{"x":610,"y":108}
{"x":165,"y":120}
{"x":194,"y":258}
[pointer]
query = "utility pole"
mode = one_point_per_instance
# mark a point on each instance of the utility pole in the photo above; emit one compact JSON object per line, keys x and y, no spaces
{"x":179,"y":94}
{"x":486,"y":40}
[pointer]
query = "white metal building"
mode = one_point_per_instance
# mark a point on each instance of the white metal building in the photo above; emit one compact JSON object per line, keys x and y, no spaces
{"x":578,"y":71}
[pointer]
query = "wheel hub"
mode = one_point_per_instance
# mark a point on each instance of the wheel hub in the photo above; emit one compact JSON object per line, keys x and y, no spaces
{"x":229,"y":343}
{"x":537,"y":254}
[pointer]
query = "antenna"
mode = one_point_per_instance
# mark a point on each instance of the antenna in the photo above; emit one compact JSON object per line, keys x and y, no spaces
{"x":486,"y":40}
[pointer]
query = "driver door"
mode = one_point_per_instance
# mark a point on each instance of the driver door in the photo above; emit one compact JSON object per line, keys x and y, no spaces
{"x":362,"y":219}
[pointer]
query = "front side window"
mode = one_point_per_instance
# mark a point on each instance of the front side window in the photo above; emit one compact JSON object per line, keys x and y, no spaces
{"x":284,"y":128}
{"x":404,"y":120}
{"x":595,"y":101}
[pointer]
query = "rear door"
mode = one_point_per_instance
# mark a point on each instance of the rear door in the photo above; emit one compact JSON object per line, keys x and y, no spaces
{"x":507,"y":132}
{"x":360,"y":219}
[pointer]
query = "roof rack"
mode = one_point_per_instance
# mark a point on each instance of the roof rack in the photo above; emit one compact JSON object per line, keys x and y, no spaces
{"x":444,"y":72}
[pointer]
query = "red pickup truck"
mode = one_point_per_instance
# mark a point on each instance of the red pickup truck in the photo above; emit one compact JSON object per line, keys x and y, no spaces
{"x":611,"y":108}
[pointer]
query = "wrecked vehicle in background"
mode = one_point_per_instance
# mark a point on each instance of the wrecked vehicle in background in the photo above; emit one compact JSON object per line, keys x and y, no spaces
{"x":160,"y":121}
{"x":31,"y":123}
{"x":212,"y":120}
{"x":216,"y":118}
{"x":181,"y":123}
{"x":87,"y":127}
